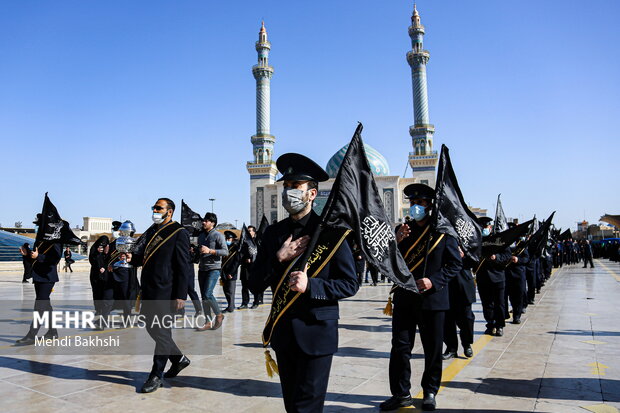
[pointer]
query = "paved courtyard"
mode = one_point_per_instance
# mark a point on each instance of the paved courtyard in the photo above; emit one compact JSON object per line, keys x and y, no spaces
{"x":564,"y":357}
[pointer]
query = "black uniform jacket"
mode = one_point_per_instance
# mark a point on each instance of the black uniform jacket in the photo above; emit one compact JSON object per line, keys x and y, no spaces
{"x":44,"y":268}
{"x":462,"y":287}
{"x":230,"y":263}
{"x":165,"y":275}
{"x":443,"y":264}
{"x":516,"y":270}
{"x":495,"y":270}
{"x":312,"y":321}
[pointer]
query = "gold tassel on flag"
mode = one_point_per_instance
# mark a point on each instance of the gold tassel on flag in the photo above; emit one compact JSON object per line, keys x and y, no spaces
{"x":388,"y":307}
{"x":138,"y":301}
{"x":270,"y":364}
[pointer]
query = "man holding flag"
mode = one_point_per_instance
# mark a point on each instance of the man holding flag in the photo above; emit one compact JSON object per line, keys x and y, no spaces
{"x":51,"y":234}
{"x":433,"y":259}
{"x":303,"y":324}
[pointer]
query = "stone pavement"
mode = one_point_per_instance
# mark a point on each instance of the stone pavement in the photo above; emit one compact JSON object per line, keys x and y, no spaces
{"x":564,"y":357}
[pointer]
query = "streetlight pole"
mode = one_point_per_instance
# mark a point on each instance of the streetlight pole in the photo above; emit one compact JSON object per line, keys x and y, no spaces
{"x":236,"y":223}
{"x":211,"y":199}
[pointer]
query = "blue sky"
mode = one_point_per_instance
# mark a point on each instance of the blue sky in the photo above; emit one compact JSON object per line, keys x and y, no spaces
{"x":109,"y":105}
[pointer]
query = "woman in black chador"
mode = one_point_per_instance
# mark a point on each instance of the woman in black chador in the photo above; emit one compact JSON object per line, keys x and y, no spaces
{"x":98,"y":270}
{"x":27,"y":261}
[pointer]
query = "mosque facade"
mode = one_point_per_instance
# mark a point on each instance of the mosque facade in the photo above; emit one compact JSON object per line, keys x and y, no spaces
{"x":265,"y":192}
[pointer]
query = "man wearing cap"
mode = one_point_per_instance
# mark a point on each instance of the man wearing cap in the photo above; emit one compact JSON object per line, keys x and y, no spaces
{"x":304,"y":330}
{"x":491,"y":281}
{"x":230,"y":267}
{"x":433,"y":260}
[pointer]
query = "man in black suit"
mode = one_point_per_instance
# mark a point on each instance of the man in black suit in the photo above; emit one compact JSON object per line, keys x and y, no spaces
{"x":163,"y":254}
{"x":305,"y":335}
{"x":433,"y":267}
{"x":491,"y":281}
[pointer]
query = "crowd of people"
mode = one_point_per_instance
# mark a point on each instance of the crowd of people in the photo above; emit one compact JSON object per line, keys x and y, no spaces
{"x":302,"y":327}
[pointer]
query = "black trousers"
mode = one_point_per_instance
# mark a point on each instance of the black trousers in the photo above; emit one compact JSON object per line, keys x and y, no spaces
{"x":193,"y":295}
{"x":406,"y":318}
{"x":531,"y":279}
{"x":587,"y":260}
{"x":42,"y":304}
{"x":229,"y":288}
{"x":492,"y":296}
{"x":515,"y":290}
{"x":303,"y":379}
{"x":463,"y":318}
{"x":165,"y":347}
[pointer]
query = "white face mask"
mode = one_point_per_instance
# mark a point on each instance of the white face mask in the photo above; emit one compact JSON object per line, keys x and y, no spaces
{"x":292,"y":200}
{"x":158,"y":217}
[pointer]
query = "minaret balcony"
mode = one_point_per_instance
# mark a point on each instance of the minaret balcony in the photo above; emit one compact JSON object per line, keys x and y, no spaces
{"x":416,"y":58}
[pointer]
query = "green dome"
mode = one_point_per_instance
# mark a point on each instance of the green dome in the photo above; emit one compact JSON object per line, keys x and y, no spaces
{"x":378,"y":164}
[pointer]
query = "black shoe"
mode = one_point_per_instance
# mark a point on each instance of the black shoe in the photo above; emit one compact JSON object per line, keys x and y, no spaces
{"x":429,"y":402}
{"x":395,"y":402}
{"x":499,"y":332}
{"x":228,"y":310}
{"x":516,"y":320}
{"x":254,"y":306}
{"x":531,"y":302}
{"x":153,"y":383}
{"x":26,"y":281}
{"x":537,"y":291}
{"x":489,"y":331}
{"x":27,"y":340}
{"x":176,"y":368}
{"x":469,"y":352}
{"x":448,"y":354}
{"x":52,"y":333}
{"x":242,"y":307}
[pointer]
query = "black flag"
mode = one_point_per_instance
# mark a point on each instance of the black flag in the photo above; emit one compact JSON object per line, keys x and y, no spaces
{"x":261,"y":229}
{"x":498,"y":241}
{"x":565,"y":235}
{"x":453,"y":217}
{"x":538,"y":241}
{"x":52,"y":227}
{"x":246,"y":242}
{"x":354,"y":203}
{"x":192,"y":221}
{"x":500,"y":224}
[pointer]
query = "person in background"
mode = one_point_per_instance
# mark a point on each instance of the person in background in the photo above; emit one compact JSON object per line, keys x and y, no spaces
{"x":26,"y":261}
{"x":68,"y":259}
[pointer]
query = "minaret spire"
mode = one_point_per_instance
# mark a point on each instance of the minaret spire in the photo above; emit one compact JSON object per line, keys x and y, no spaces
{"x":423,"y":159}
{"x":262,"y":169}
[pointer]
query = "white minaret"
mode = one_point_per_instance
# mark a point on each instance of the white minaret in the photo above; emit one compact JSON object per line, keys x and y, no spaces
{"x":423,"y":159}
{"x":262,"y":169}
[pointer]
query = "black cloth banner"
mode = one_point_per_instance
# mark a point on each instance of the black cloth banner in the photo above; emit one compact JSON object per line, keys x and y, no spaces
{"x":500,"y":223}
{"x":264,"y":223}
{"x":354,"y":203}
{"x":565,"y":235}
{"x":191,"y":221}
{"x":52,"y":228}
{"x":499,"y":241}
{"x":538,"y":241}
{"x":452,"y":215}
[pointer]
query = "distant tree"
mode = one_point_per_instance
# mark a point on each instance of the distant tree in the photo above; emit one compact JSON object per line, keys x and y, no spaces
{"x":18,"y":224}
